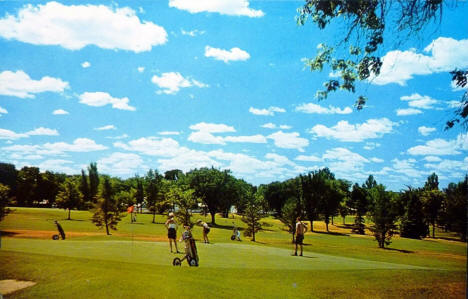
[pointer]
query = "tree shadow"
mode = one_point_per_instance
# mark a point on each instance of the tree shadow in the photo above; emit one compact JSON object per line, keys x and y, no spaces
{"x":8,"y":234}
{"x":399,"y":250}
{"x":331,"y":233}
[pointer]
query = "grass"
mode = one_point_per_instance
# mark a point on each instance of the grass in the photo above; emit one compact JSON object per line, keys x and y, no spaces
{"x":135,"y":261}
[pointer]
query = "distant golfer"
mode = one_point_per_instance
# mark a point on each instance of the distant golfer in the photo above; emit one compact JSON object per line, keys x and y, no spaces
{"x":301,"y":229}
{"x":131,"y":210}
{"x":171,"y":226}
{"x":206,"y":230}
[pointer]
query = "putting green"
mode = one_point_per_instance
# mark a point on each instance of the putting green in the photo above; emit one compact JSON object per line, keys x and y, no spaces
{"x":220,"y":255}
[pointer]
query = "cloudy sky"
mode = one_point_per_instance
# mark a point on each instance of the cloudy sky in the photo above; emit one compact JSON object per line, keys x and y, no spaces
{"x":185,"y":84}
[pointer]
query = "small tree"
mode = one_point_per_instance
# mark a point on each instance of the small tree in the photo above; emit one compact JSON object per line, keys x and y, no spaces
{"x":107,"y":211}
{"x":4,"y":210}
{"x":69,"y":196}
{"x":289,"y":213}
{"x":359,"y":202}
{"x":185,"y":201}
{"x":252,"y":215}
{"x":412,"y":223}
{"x":343,"y":209}
{"x":382,"y":215}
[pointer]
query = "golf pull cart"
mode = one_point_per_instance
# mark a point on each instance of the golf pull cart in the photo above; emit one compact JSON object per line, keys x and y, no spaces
{"x":191,"y":255}
{"x":60,"y":230}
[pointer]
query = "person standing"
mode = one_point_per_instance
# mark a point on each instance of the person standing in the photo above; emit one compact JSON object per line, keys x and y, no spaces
{"x":206,"y":230}
{"x":301,"y":229}
{"x":171,"y":226}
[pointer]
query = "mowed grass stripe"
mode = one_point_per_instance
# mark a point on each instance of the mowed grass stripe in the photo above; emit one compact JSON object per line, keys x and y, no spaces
{"x":221,"y":255}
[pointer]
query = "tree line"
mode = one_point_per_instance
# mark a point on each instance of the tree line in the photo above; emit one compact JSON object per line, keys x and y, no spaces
{"x":317,"y":195}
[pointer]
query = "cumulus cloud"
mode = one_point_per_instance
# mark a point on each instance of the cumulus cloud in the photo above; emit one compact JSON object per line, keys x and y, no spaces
{"x":140,"y":69}
{"x":441,"y":55}
{"x":408,"y":111}
{"x":192,"y":33}
{"x":58,"y":165}
{"x":57,"y":148}
{"x":99,"y":99}
{"x":43,"y":132}
{"x":235,"y":54}
{"x":19,"y":84}
{"x":246,"y":139}
{"x":224,"y":7}
{"x":172,"y":82}
{"x":85,"y":64}
{"x":273,"y":126}
{"x":289,"y":140}
{"x":317,"y":109}
{"x":205,"y":137}
{"x":10,"y":135}
{"x":121,"y":164}
{"x":441,"y":147}
{"x":153,"y":146}
{"x":165,"y":133}
{"x":3,"y":111}
{"x":203,"y":134}
{"x":344,"y":131}
{"x":212,"y":128}
{"x":76,"y":26}
{"x":105,"y":128}
{"x":426,"y":130}
{"x":448,"y":166}
{"x":60,"y":112}
{"x":310,"y":158}
{"x":268,"y":111}
{"x":418,"y":101}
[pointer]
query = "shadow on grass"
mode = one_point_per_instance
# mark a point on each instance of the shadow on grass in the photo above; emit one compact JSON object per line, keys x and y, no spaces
{"x":331,"y":233}
{"x":448,"y":239}
{"x":399,"y":250}
{"x":7,"y":234}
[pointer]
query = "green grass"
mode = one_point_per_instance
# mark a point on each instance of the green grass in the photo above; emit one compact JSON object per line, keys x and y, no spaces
{"x":130,"y":264}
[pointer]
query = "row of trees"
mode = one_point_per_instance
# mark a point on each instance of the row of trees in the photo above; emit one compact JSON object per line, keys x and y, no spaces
{"x":317,"y":195}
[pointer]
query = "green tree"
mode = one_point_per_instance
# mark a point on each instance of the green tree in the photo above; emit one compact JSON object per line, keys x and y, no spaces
{"x":252,"y":215}
{"x":93,"y":181}
{"x":413,"y":224}
{"x":84,"y":189}
{"x":153,"y":191}
{"x":107,"y":212}
{"x":8,"y":175}
{"x":432,"y":182}
{"x":140,"y":193}
{"x":432,"y":202}
{"x":359,"y":202}
{"x":289,"y":213}
{"x":460,"y":77}
{"x":186,"y":201}
{"x":28,"y":181}
{"x":382,"y":215}
{"x":49,"y":186}
{"x":455,"y":206}
{"x":4,"y":201}
{"x":69,"y":196}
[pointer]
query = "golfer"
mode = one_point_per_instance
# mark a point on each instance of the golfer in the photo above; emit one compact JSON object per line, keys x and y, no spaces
{"x":171,"y":226}
{"x":206,"y":230}
{"x":301,"y":229}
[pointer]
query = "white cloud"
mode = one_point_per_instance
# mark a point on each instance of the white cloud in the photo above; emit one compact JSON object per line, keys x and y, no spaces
{"x":205,"y":137}
{"x":104,"y":128}
{"x":418,"y":101}
{"x":10,"y":135}
{"x":78,"y":145}
{"x":273,"y":126}
{"x":224,"y":7}
{"x":371,"y":145}
{"x":123,"y":136}
{"x":19,"y":84}
{"x":426,"y":130}
{"x":454,"y":104}
{"x":308,"y":158}
{"x":289,"y":140}
{"x":343,"y":131}
{"x":76,"y":26}
{"x":269,"y":111}
{"x":212,"y":128}
{"x":57,"y":165}
{"x":153,"y":146}
{"x":172,"y":82}
{"x":408,"y":111}
{"x":60,"y":112}
{"x":3,"y":111}
{"x":189,"y":160}
{"x":192,"y":33}
{"x":449,"y":166}
{"x":86,"y":64}
{"x":43,"y":132}
{"x":314,"y":108}
{"x":441,"y":147}
{"x":140,"y":69}
{"x":376,"y":160}
{"x":235,"y":54}
{"x":443,"y":55}
{"x":165,"y":133}
{"x":407,"y":167}
{"x":432,"y":159}
{"x":99,"y":99}
{"x":121,"y":164}
{"x":246,"y":139}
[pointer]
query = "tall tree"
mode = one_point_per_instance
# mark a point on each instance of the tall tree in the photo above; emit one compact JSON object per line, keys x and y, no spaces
{"x":173,"y":175}
{"x":4,"y":201}
{"x":8,"y":174}
{"x":140,"y":193}
{"x":432,"y":182}
{"x":28,"y":181}
{"x":359,"y":202}
{"x":413,"y":224}
{"x":252,"y":215}
{"x":153,"y":191}
{"x":84,"y":189}
{"x":432,"y":202}
{"x":185,"y":201}
{"x":49,"y":186}
{"x":107,"y":212}
{"x":456,"y":207}
{"x":291,"y":210}
{"x":93,"y":181}
{"x":69,"y":196}
{"x":382,"y":215}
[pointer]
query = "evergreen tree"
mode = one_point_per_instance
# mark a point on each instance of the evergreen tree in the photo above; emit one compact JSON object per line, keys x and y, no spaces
{"x":252,"y":215}
{"x":84,"y":189}
{"x":412,"y":223}
{"x":140,"y":193}
{"x":93,"y":181}
{"x":69,"y":197}
{"x":153,"y":188}
{"x":382,"y":215}
{"x":107,"y":212}
{"x":359,"y":202}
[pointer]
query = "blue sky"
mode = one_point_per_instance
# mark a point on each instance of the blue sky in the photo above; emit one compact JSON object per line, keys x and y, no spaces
{"x":187,"y":84}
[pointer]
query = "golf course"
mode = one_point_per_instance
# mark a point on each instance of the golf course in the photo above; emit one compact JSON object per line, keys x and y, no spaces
{"x":135,"y":261}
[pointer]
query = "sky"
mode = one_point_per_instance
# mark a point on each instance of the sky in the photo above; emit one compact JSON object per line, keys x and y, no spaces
{"x":181,"y":84}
